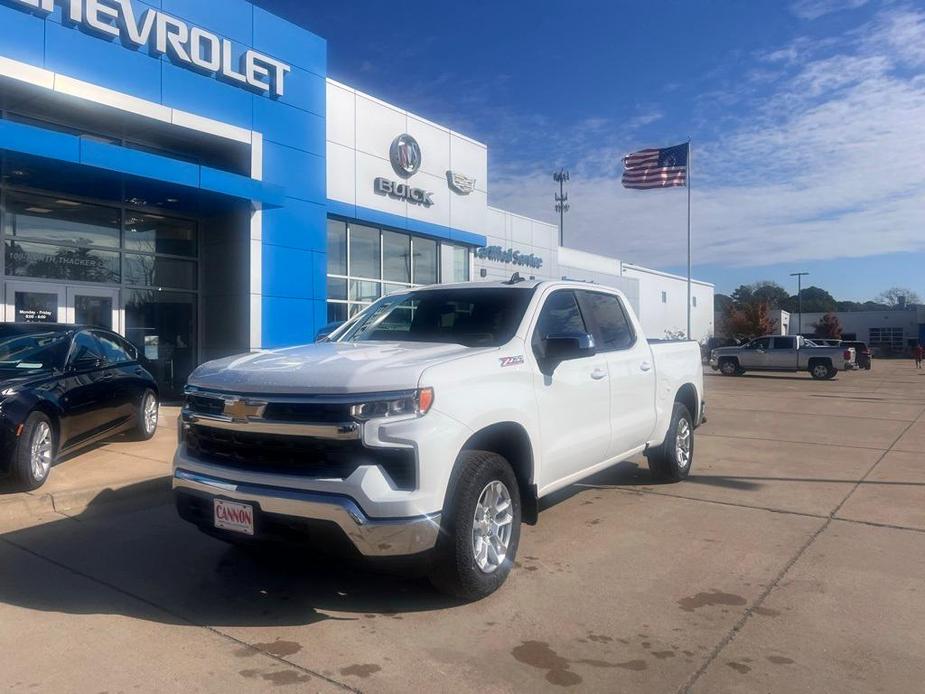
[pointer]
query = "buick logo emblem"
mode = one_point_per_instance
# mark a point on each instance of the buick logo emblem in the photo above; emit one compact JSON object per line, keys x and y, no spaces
{"x":405,"y":154}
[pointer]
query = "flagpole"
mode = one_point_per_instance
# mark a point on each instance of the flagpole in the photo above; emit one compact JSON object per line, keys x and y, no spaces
{"x":689,"y":296}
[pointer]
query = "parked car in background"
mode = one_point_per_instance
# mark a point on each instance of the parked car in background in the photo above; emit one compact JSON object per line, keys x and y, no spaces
{"x":863,"y":352}
{"x":63,"y":388}
{"x":432,"y":425}
{"x":782,"y":353}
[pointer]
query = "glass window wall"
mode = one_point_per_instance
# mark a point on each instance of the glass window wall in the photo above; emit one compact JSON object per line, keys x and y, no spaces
{"x":366,"y":262}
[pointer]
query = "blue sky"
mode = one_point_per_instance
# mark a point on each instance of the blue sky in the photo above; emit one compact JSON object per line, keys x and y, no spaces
{"x":807,"y":117}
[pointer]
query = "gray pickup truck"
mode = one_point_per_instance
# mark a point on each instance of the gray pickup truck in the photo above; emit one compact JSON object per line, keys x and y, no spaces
{"x":782,"y":353}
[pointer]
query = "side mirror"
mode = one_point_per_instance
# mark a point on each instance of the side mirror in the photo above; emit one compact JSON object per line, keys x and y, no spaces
{"x":559,"y":348}
{"x":86,"y":363}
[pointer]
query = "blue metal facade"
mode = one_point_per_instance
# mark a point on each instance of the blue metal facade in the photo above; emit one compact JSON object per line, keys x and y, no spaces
{"x":292,"y":192}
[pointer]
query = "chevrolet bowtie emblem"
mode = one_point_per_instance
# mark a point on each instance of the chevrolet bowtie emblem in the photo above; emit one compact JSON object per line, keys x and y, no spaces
{"x":243,"y":410}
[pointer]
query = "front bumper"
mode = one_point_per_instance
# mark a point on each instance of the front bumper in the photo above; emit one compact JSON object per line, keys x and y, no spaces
{"x":371,"y":537}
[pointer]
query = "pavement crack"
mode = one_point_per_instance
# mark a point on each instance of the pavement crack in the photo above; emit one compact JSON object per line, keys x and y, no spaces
{"x":750,"y":610}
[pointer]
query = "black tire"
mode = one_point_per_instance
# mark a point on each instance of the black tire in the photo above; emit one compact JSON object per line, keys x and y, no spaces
{"x":730,"y":367}
{"x":665,"y":463}
{"x":822,"y":371}
{"x":455,"y":570}
{"x":143,"y":430}
{"x":25,"y":474}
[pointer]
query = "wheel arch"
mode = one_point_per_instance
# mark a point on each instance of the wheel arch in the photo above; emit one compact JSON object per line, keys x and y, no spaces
{"x":511,"y":441}
{"x":688,"y":396}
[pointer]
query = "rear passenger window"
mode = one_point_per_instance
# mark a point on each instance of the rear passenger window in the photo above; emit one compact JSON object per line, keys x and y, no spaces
{"x":560,"y":316}
{"x":607,"y":311}
{"x":784,"y":343}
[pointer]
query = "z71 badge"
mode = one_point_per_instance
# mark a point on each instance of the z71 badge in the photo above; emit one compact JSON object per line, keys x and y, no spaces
{"x":511,"y":361}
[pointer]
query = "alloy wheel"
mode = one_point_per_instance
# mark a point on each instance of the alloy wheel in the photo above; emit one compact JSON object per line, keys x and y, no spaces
{"x":682,"y":444}
{"x":492,"y":525}
{"x":41,"y":451}
{"x":150,"y":413}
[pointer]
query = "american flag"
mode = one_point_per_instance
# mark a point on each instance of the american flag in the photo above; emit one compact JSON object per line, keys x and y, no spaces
{"x":656,"y":168}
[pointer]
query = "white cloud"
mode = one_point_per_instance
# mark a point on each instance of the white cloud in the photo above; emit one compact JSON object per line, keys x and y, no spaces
{"x":830,"y":164}
{"x":813,"y":9}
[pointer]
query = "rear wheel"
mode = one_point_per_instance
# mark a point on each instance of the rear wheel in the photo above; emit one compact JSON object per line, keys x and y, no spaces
{"x":480,"y":528}
{"x":822,"y":371}
{"x":672,"y":460}
{"x":35,"y":451}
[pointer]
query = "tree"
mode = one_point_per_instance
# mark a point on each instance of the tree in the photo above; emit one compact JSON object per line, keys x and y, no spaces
{"x":748,"y":321}
{"x":770,"y":293}
{"x":815,"y":300}
{"x":899,"y":297}
{"x":829,"y":327}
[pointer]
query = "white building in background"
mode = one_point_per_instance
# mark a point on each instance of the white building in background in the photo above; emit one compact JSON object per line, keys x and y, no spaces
{"x":391,"y":227}
{"x":887,"y":331}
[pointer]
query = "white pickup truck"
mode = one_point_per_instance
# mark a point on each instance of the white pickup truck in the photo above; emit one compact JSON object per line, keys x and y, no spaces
{"x":431,"y":424}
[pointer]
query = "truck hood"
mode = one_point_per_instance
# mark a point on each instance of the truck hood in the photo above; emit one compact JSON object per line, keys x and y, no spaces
{"x":328,"y":367}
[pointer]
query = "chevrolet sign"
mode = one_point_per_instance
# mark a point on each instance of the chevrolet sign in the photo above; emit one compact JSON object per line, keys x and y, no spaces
{"x":190,"y":45}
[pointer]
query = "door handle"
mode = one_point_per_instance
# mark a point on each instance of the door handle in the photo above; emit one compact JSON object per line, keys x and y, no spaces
{"x":645,"y":366}
{"x":598,"y":374}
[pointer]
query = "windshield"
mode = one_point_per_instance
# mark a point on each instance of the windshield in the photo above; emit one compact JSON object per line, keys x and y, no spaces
{"x":474,"y":317}
{"x":32,"y":351}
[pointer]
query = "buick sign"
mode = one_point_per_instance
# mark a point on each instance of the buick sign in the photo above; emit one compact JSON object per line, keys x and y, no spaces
{"x":405,"y":154}
{"x":402,"y":191}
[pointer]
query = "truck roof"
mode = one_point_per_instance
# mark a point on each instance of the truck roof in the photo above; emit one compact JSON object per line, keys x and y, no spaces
{"x":522,"y":284}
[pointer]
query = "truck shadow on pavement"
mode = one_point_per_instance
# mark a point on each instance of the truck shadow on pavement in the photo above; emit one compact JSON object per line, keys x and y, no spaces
{"x":146,"y":563}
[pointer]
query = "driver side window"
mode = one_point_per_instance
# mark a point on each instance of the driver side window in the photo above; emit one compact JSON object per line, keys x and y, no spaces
{"x":85,"y":347}
{"x":560,"y":316}
{"x":763,"y":343}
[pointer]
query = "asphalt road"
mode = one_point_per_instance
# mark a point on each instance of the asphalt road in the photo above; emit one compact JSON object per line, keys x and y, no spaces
{"x":792,"y":560}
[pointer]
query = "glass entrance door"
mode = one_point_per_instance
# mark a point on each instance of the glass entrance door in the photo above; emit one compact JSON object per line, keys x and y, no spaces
{"x":34,"y":302}
{"x":94,"y":306}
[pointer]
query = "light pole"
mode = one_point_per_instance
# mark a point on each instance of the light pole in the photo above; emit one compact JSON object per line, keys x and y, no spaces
{"x":799,"y":276}
{"x":562,"y":206}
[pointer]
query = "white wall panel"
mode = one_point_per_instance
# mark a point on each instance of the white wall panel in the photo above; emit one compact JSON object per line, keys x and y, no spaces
{"x":341,"y":115}
{"x":439,"y":212}
{"x":341,"y":167}
{"x":368,"y":168}
{"x":435,"y":148}
{"x":377,"y":124}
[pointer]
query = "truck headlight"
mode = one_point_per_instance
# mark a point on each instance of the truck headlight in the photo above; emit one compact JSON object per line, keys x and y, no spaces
{"x":414,"y":403}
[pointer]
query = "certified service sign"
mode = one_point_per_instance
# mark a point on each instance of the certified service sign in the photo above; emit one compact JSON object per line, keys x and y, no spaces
{"x":405,"y":154}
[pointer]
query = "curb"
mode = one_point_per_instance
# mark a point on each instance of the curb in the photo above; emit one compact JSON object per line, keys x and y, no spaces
{"x":141,"y":492}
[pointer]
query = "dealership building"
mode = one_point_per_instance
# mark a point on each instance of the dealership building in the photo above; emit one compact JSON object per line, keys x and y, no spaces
{"x":184,"y":172}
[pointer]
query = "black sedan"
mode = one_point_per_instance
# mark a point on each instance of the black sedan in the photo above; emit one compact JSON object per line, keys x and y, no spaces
{"x":64,"y":387}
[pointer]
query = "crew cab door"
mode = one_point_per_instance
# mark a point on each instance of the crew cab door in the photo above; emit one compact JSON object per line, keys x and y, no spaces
{"x":783,"y":354}
{"x":631,"y":368}
{"x":573,"y":395}
{"x":755,"y":354}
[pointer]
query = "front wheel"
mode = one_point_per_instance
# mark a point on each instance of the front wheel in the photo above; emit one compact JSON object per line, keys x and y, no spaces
{"x":35,"y":451}
{"x":730,"y":367}
{"x":480,"y":527}
{"x":822,"y":371}
{"x":672,"y":460}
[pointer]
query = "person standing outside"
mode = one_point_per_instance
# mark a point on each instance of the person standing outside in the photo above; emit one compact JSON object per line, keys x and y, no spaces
{"x":918,"y":353}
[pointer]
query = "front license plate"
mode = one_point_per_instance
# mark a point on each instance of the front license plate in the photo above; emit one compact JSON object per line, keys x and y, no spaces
{"x":230,"y":515}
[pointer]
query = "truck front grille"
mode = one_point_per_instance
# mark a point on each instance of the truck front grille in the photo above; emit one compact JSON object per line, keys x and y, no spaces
{"x":296,"y":455}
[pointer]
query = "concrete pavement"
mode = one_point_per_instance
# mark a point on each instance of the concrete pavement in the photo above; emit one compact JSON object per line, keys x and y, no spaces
{"x":792,"y":560}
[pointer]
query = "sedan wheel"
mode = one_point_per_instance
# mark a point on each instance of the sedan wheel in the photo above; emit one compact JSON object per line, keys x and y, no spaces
{"x":149,"y":408}
{"x":41,"y":451}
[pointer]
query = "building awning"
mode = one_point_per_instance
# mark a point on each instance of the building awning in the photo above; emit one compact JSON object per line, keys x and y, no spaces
{"x":47,"y":154}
